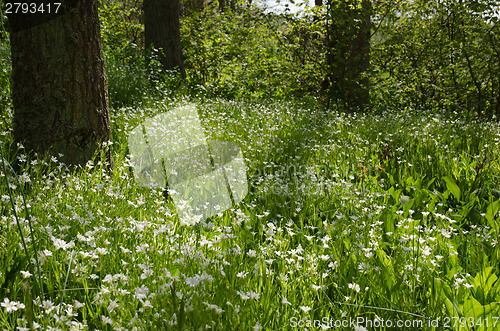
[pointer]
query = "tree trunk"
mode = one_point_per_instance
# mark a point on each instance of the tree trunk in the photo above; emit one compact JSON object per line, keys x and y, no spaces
{"x":59,"y":87}
{"x":162,"y":31}
{"x":348,"y":56}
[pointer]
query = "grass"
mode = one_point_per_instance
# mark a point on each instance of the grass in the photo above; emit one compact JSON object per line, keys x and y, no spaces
{"x":373,"y":218}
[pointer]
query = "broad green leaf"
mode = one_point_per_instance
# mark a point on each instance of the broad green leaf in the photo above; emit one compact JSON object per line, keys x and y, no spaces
{"x":485,"y":286}
{"x":452,"y":187}
{"x":478,"y":316}
{"x":388,"y":220}
{"x":391,"y":179}
{"x":491,"y":212}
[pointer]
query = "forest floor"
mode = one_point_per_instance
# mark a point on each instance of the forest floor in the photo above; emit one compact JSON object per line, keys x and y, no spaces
{"x":363,"y":221}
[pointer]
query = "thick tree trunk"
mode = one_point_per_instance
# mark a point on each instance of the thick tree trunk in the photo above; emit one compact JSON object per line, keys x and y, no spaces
{"x":162,"y":31}
{"x":59,"y":87}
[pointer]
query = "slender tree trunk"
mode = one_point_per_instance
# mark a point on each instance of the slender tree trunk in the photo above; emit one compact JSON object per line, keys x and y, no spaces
{"x":59,"y":87}
{"x":162,"y":31}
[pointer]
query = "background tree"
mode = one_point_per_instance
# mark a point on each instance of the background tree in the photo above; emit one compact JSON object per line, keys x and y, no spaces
{"x":162,"y":31}
{"x":59,"y":87}
{"x":348,"y":58}
{"x":439,"y":54}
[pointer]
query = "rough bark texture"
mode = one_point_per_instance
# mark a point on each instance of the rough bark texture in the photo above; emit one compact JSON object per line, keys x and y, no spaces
{"x":59,"y":87}
{"x":162,"y":31}
{"x":349,"y":53}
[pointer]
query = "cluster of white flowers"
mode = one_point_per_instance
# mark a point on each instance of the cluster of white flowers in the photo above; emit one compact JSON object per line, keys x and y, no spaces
{"x":11,"y":306}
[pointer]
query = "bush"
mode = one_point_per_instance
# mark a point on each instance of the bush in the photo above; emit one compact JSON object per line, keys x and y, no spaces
{"x":251,"y":53}
{"x":438,"y":54}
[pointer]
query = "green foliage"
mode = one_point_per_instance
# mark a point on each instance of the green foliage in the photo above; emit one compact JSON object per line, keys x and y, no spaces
{"x":249,"y":53}
{"x":3,"y":22}
{"x":423,"y":54}
{"x":348,"y":41}
{"x":121,"y":23}
{"x":134,"y":74}
{"x":5,"y":91}
{"x":452,"y":187}
{"x":441,"y":54}
{"x":304,"y":38}
{"x":133,"y":80}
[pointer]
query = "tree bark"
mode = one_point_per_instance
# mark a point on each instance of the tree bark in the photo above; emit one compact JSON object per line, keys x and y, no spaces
{"x":59,"y":87}
{"x":162,"y":31}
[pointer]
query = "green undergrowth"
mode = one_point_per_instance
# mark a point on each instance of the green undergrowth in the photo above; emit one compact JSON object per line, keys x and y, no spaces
{"x":387,"y":217}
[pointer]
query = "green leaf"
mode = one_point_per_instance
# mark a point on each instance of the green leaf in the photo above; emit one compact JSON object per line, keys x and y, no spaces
{"x":445,"y":294}
{"x":472,"y":308}
{"x":452,"y":187}
{"x":491,"y":212}
{"x":388,"y":219}
{"x":174,"y":271}
{"x":496,"y":193}
{"x":391,"y":179}
{"x":485,"y":286}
